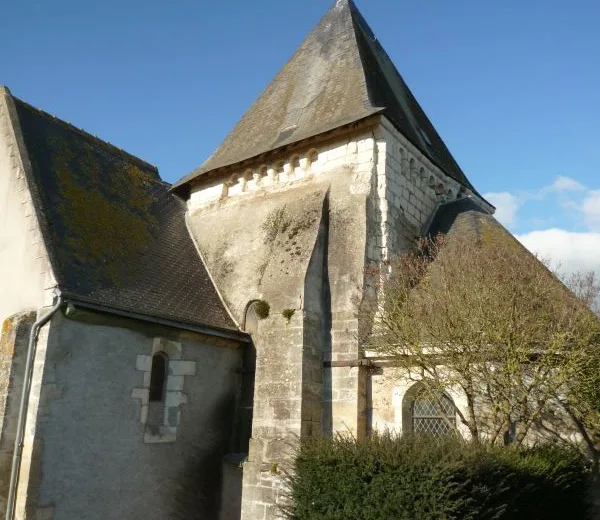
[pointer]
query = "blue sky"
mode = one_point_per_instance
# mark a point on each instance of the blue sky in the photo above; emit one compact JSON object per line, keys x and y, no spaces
{"x":513,"y":87}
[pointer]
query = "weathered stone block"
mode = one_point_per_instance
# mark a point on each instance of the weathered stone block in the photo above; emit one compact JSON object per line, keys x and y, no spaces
{"x":175,"y":382}
{"x":182,"y":368}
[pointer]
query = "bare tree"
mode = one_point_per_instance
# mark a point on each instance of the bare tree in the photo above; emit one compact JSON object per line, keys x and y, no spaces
{"x":586,"y":286}
{"x":486,"y":317}
{"x":580,"y":399}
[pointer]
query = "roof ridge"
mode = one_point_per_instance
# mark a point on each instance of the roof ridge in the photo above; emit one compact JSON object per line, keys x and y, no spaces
{"x":387,"y":88}
{"x":5,"y":91}
{"x":123,"y":153}
{"x":342,"y":4}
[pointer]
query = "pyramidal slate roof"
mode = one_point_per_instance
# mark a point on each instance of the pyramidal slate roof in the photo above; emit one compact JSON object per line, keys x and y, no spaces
{"x":460,"y":216}
{"x":115,"y":235}
{"x":464,"y":220}
{"x":340,"y":74}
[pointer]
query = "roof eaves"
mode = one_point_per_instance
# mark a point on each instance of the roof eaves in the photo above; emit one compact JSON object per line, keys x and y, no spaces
{"x":89,"y":303}
{"x":178,"y":186}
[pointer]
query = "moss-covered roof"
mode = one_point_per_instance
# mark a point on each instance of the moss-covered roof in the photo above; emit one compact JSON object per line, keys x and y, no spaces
{"x":339,"y":75}
{"x":464,"y":220}
{"x":115,"y":234}
{"x":461,"y":216}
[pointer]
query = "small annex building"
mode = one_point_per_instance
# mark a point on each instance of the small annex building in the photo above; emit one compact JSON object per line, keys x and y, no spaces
{"x":136,"y":374}
{"x":181,"y":337}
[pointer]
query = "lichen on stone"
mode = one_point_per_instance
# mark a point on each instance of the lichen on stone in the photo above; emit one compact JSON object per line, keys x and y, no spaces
{"x":288,"y":314}
{"x":7,"y":330}
{"x":277,"y":221}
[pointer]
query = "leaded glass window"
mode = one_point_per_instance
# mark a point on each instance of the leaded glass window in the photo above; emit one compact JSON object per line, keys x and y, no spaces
{"x":432,"y":414}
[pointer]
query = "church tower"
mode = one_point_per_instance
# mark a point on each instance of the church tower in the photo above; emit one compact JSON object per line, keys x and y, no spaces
{"x":334,"y":168}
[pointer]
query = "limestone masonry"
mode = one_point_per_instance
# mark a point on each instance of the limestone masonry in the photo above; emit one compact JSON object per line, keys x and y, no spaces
{"x":199,"y":330}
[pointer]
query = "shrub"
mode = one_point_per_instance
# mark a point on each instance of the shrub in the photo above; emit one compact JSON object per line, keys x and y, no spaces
{"x":411,"y":478}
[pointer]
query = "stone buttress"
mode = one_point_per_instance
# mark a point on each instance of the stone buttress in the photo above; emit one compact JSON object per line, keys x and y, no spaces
{"x":333,"y":170}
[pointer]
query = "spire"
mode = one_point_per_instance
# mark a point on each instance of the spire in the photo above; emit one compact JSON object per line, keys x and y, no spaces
{"x":342,"y":4}
{"x":340,"y":74}
{"x":4,"y":91}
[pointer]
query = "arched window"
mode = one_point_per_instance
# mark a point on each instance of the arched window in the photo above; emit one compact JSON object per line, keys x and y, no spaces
{"x":255,"y":311}
{"x":432,"y":414}
{"x":427,"y":412}
{"x":158,"y":376}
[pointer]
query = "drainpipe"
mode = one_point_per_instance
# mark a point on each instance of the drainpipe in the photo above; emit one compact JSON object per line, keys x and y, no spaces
{"x":18,"y":449}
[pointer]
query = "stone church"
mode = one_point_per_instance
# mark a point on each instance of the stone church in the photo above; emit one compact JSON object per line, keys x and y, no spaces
{"x":163,"y":346}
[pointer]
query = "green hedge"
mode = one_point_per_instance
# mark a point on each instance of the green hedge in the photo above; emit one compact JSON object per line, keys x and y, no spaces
{"x":408,"y":478}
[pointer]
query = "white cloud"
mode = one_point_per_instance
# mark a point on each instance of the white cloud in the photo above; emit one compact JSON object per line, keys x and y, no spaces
{"x":591,"y":210}
{"x":507,"y":206}
{"x":573,"y":251}
{"x":563,"y":183}
{"x":566,"y":193}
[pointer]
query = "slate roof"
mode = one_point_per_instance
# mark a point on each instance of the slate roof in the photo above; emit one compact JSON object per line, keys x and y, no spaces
{"x":463,"y":219}
{"x":339,"y":75}
{"x":461,"y":216}
{"x":115,"y":234}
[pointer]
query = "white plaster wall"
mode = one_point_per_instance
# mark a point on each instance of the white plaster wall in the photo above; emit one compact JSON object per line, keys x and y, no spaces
{"x":87,"y":453}
{"x":24,"y":268}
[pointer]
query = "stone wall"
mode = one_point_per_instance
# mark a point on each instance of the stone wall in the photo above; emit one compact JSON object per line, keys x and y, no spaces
{"x":298,"y":231}
{"x":90,"y":451}
{"x":14,"y":337}
{"x":293,"y":233}
{"x":409,"y":187}
{"x":283,"y":170}
{"x":389,"y":400}
{"x":27,"y":285}
{"x":26,"y":505}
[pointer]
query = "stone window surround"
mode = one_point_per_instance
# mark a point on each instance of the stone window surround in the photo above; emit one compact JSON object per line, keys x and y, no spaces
{"x":407,"y":405}
{"x":174,"y":399}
